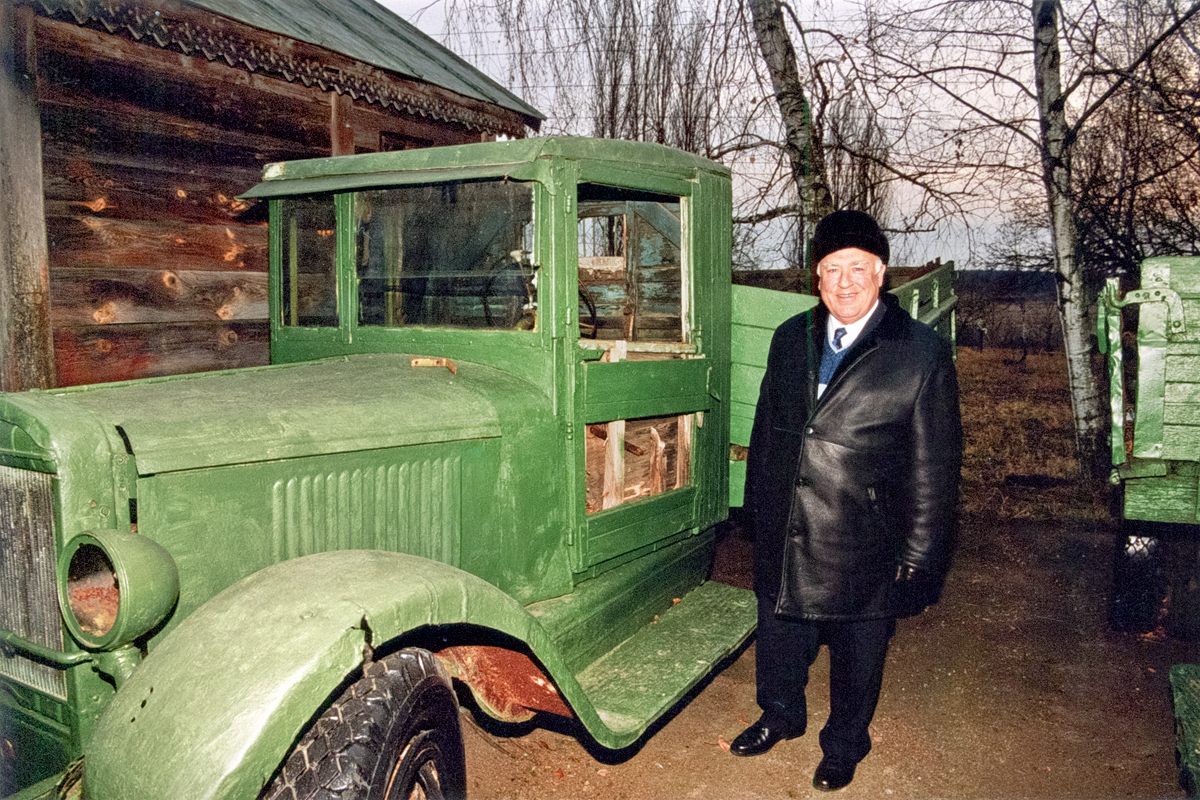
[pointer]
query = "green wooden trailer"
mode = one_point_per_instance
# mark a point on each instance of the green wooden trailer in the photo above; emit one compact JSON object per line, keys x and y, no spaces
{"x":1156,"y":385}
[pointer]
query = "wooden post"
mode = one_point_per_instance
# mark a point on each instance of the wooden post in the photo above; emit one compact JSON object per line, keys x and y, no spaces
{"x":632,"y":230}
{"x":658,"y":462}
{"x":683,"y":451}
{"x":614,"y":450}
{"x":27,"y":343}
{"x":341,"y":131}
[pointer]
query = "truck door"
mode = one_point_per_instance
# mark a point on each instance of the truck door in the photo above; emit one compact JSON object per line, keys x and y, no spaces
{"x":644,"y":379}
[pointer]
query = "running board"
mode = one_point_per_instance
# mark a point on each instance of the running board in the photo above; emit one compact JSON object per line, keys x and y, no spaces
{"x":640,"y":679}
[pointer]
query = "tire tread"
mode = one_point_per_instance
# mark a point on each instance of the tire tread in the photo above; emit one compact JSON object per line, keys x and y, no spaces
{"x":326,"y":764}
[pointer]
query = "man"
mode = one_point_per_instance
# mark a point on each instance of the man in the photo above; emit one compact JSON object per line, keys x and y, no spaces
{"x":852,"y":494}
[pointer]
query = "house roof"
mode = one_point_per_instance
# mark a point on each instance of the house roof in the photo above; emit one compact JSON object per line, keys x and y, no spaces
{"x":368,"y":32}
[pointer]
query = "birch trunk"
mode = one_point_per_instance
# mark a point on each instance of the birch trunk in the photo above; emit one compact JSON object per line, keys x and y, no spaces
{"x":1087,"y":403}
{"x":803,"y":148}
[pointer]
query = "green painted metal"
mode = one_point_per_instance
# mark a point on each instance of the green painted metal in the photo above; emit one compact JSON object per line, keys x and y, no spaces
{"x":248,"y":698}
{"x":220,"y":682}
{"x":630,"y":389}
{"x":341,"y":405}
{"x":42,"y":790}
{"x":360,"y":477}
{"x":1159,"y":474}
{"x":144,"y":575}
{"x":609,"y":161}
{"x":617,"y":603}
{"x":643,"y":677}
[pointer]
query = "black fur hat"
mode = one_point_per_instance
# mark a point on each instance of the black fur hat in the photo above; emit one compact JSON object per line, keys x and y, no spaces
{"x":848,"y":229}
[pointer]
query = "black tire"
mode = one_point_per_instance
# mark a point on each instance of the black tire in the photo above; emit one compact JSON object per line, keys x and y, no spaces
{"x":392,"y":735}
{"x":1183,"y":569}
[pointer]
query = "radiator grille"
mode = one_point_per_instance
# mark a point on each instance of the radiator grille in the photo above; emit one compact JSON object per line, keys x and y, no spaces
{"x":412,"y":508}
{"x":28,"y":594}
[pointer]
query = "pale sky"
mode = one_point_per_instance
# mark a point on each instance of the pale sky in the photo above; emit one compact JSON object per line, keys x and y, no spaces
{"x":425,"y":14}
{"x":429,"y":17}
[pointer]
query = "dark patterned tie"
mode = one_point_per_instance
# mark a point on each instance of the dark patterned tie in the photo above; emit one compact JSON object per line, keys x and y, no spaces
{"x":838,"y":333}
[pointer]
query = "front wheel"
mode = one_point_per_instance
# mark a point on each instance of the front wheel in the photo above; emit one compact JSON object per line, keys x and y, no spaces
{"x":392,"y":735}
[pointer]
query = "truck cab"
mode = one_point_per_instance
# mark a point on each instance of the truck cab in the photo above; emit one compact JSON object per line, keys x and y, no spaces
{"x":489,"y":452}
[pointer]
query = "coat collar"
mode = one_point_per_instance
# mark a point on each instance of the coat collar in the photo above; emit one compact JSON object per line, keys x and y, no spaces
{"x":888,"y":307}
{"x":881,"y":319}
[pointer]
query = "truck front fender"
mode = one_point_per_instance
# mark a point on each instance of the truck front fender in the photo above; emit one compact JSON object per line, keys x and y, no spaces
{"x":216,"y":705}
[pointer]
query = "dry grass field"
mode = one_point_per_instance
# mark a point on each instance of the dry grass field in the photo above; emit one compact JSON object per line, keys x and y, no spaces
{"x":1019,"y":459}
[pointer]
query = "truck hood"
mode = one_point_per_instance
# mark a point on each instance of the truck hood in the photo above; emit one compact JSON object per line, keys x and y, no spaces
{"x":360,"y":402}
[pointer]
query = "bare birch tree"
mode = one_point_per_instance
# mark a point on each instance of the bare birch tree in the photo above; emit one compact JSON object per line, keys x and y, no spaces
{"x":803,"y":148}
{"x":1012,"y":87}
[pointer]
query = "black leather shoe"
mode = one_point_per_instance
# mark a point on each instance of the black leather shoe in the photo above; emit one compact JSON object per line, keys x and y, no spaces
{"x":833,"y":774}
{"x":762,"y":736}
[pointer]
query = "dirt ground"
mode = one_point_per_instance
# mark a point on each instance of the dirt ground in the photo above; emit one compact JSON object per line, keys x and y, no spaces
{"x":1011,"y":687}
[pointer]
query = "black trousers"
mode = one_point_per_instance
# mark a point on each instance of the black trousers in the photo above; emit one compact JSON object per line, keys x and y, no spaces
{"x":786,"y":649}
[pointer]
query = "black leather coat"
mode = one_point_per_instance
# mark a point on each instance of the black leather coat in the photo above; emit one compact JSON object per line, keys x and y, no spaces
{"x":847,"y":491}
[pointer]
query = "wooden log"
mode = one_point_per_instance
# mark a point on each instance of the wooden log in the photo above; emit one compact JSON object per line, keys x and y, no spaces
{"x":109,"y":123}
{"x":117,"y":296}
{"x":26,"y":347}
{"x":79,"y":184}
{"x":91,"y":241}
{"x":94,"y":354}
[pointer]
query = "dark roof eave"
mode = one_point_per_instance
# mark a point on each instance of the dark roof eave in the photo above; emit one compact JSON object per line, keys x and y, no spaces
{"x":311,"y":64}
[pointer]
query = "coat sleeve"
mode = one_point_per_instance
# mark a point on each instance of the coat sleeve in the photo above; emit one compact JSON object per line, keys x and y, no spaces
{"x":936,"y":471}
{"x":765,"y":504}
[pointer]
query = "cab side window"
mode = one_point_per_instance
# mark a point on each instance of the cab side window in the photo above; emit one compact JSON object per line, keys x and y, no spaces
{"x":308,"y":286}
{"x":634,"y":306}
{"x":631,"y":279}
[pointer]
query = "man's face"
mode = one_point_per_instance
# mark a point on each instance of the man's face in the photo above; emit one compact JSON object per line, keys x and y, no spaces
{"x":850,"y":280}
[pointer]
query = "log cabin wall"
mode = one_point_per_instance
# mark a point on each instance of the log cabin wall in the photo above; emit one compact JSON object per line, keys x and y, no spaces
{"x":149,"y":132}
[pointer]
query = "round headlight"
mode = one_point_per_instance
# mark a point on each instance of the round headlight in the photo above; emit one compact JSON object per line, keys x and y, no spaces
{"x":115,"y":587}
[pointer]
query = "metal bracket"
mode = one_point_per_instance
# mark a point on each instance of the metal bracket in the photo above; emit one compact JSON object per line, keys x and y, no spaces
{"x":1176,"y":323}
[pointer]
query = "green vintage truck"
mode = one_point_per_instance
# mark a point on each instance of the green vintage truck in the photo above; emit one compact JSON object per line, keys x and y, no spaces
{"x":489,"y":454}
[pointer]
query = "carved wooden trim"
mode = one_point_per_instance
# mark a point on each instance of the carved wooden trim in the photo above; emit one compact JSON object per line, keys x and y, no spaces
{"x":193,"y":31}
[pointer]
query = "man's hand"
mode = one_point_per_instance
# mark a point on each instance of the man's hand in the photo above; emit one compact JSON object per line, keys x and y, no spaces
{"x":914,"y":590}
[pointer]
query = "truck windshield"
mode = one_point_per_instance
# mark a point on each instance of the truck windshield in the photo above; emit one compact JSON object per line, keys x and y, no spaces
{"x":447,"y":255}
